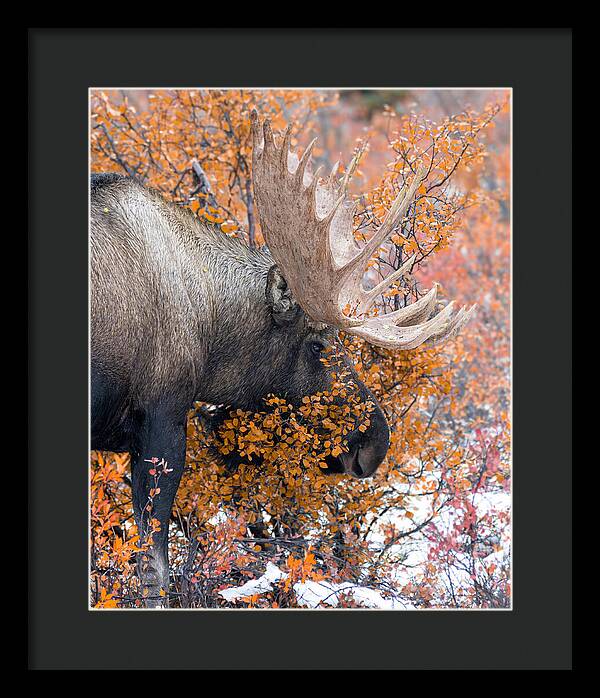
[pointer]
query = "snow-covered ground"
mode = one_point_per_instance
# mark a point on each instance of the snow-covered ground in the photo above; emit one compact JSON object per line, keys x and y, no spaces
{"x":309,"y":594}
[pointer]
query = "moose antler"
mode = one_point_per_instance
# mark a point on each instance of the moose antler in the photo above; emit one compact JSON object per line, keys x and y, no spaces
{"x":308,"y":226}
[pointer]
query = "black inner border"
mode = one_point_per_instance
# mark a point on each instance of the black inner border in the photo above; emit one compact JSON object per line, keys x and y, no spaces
{"x":63,"y":64}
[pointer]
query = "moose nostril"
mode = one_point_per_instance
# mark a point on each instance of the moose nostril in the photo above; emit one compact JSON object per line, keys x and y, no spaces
{"x":367,"y":452}
{"x":352,"y":464}
{"x":356,"y":468}
{"x":368,"y":458}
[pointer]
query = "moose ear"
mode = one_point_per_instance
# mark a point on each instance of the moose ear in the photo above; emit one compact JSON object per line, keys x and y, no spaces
{"x":284,"y":308}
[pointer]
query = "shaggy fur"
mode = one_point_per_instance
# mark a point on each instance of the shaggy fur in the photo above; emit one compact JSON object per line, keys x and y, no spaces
{"x":181,"y":312}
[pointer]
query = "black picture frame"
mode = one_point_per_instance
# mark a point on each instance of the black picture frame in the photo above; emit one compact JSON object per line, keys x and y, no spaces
{"x":63,"y":64}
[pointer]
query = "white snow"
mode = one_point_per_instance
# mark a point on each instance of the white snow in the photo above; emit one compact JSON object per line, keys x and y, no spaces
{"x":310,"y":594}
{"x":255,"y":586}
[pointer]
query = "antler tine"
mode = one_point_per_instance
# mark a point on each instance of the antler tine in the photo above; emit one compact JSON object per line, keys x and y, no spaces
{"x":353,"y":165}
{"x":285,"y":146}
{"x":415,"y":312}
{"x":370,"y":296}
{"x":394,"y":215}
{"x":385,"y":334}
{"x":334,"y":170}
{"x":458,"y":322}
{"x":256,"y":134}
{"x":303,"y":162}
{"x":269,"y":139}
{"x":312,"y":187}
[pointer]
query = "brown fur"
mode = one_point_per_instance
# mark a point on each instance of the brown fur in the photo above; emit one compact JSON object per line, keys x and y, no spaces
{"x":181,"y":312}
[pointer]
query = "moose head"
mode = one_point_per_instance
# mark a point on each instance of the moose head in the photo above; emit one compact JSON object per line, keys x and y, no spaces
{"x":315,"y":286}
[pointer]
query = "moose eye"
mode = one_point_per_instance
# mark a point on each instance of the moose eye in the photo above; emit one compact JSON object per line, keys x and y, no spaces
{"x":317,"y":348}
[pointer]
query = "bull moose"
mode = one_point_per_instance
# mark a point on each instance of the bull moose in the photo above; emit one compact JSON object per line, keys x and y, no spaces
{"x":181,"y":312}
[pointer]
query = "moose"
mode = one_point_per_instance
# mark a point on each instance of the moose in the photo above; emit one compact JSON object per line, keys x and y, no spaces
{"x":181,"y":312}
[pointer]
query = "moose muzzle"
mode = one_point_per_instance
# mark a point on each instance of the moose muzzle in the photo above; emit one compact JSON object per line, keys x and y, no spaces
{"x":367,"y":450}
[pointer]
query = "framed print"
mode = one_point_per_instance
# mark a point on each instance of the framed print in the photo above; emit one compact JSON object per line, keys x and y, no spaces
{"x":287,"y":329}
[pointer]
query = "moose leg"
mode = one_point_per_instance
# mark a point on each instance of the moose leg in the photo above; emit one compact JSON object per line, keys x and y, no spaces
{"x":157,"y":465}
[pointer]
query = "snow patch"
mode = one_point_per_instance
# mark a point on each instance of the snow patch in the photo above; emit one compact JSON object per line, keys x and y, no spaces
{"x":255,"y":586}
{"x":310,"y":594}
